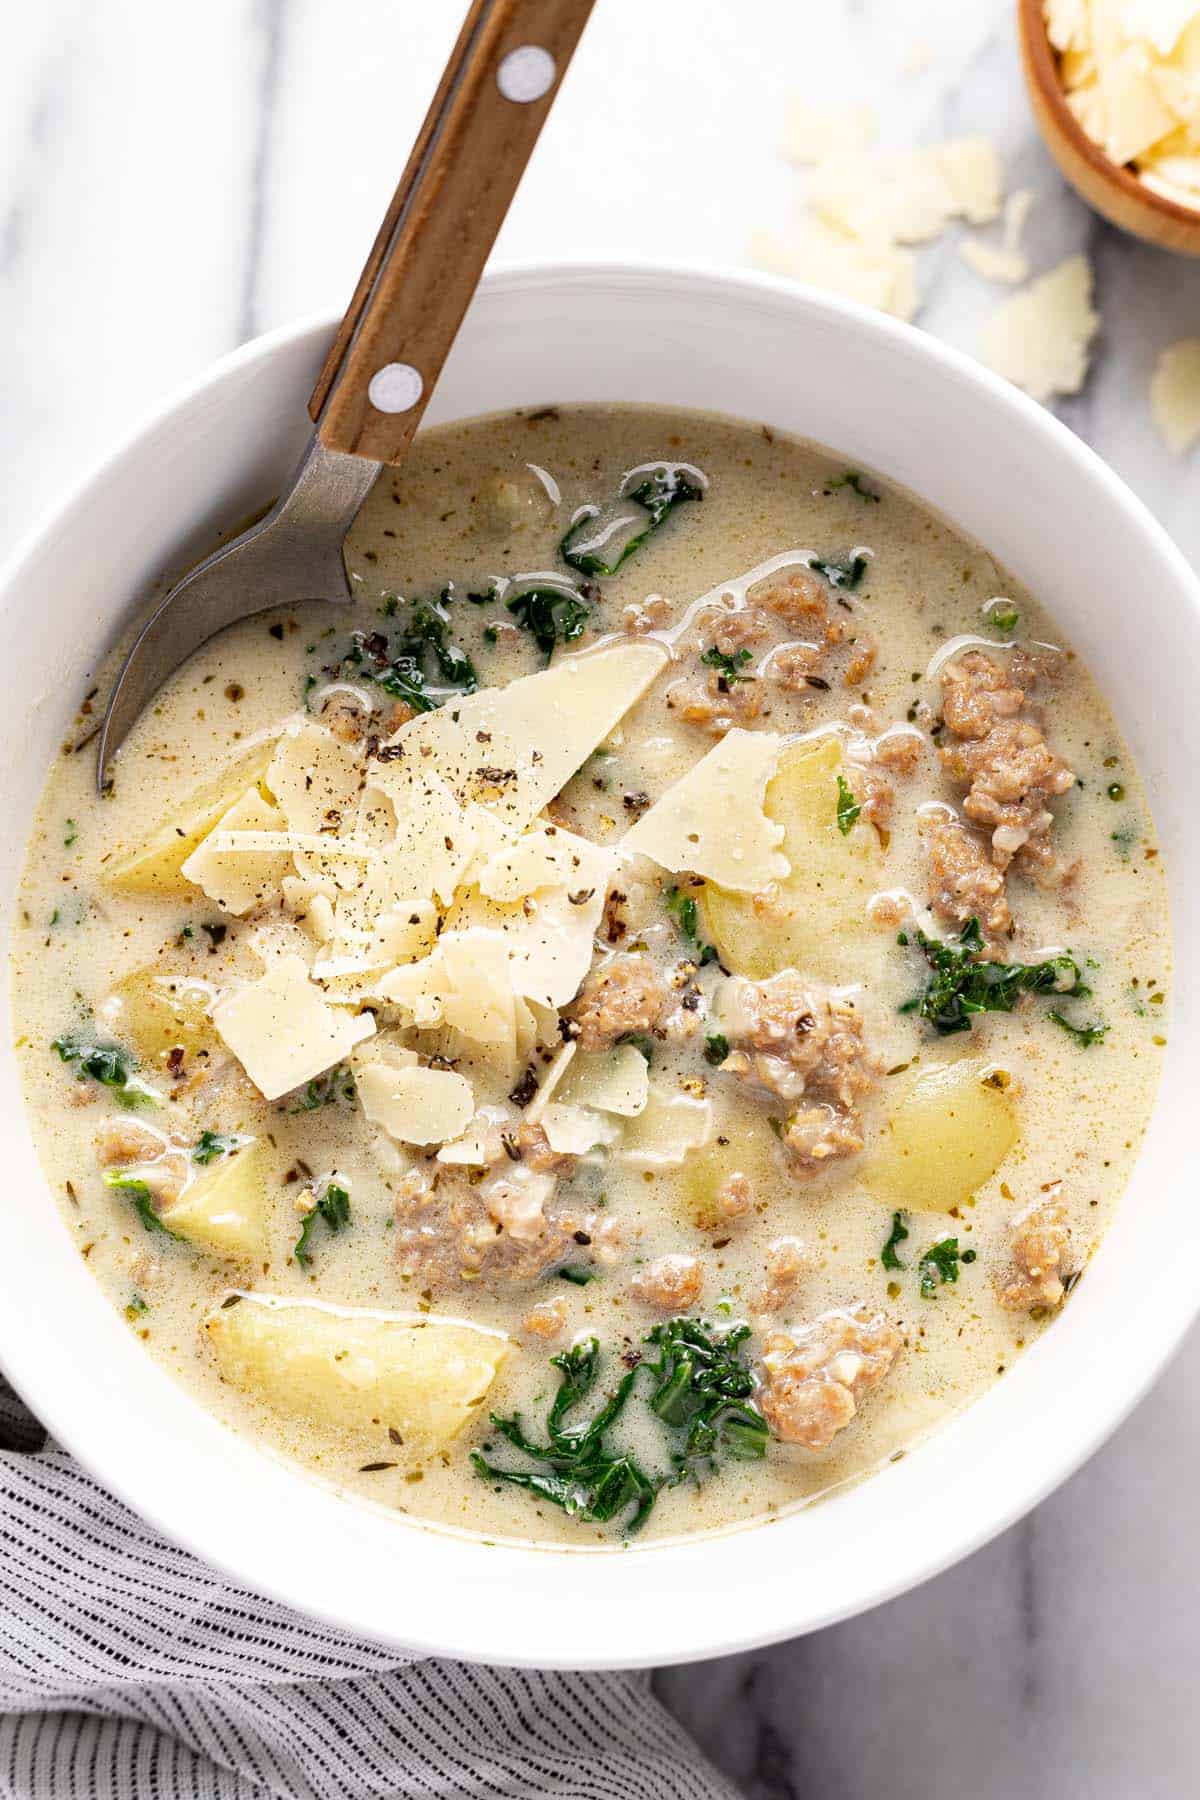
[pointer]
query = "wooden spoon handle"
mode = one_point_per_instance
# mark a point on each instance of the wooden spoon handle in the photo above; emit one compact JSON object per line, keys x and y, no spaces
{"x":426,"y":262}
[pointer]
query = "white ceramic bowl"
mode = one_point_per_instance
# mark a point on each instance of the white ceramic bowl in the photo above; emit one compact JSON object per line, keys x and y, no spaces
{"x":1003,"y":471}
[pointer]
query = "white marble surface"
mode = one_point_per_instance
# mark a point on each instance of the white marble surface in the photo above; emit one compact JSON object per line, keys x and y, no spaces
{"x":174,"y":180}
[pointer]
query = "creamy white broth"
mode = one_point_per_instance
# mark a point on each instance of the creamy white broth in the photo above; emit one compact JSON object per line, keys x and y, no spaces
{"x":491,"y":500}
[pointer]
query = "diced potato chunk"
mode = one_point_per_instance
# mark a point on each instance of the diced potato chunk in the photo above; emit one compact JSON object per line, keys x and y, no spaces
{"x":155,"y":1012}
{"x":816,"y":919}
{"x":950,"y":1131}
{"x":156,"y":866}
{"x":745,"y":1147}
{"x":224,"y":1209}
{"x":357,"y":1370}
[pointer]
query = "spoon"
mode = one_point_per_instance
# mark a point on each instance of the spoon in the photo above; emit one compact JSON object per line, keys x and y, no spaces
{"x":418,"y":281}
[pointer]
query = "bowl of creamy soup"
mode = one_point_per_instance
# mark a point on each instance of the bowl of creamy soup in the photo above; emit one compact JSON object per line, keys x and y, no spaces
{"x":620,"y":1095}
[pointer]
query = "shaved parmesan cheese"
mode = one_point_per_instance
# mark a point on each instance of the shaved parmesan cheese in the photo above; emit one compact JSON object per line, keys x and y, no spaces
{"x":311,"y":904}
{"x":1039,"y":339}
{"x":1160,"y":22}
{"x":879,"y":276}
{"x":464,"y":983}
{"x":573,"y":1130}
{"x":1006,"y":262}
{"x":1135,"y":116}
{"x":316,"y":780}
{"x":547,"y":935}
{"x":1106,"y":25}
{"x":971,"y":167}
{"x":511,"y":749}
{"x":1067,"y":24}
{"x":814,"y":132}
{"x":1175,"y":395}
{"x":993,"y":262}
{"x":550,"y":1081}
{"x":670,"y":1128}
{"x":539,"y":859}
{"x":712,"y":821}
{"x":433,"y":841}
{"x":910,"y":198}
{"x":1180,"y":94}
{"x":1088,"y":106}
{"x":612,"y":1081}
{"x":862,"y":207}
{"x":480,"y":1145}
{"x":235,"y":880}
{"x":283,"y":1030}
{"x":1175,"y":177}
{"x":1130,"y":70}
{"x":1077,"y":68}
{"x":415,"y":1105}
{"x":391,"y":916}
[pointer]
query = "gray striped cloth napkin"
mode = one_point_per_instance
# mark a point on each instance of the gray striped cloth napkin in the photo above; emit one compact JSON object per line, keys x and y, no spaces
{"x":129,"y":1671}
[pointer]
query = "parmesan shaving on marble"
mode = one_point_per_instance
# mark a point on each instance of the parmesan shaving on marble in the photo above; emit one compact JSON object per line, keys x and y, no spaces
{"x":1175,"y":395}
{"x":712,"y":822}
{"x":813,"y":132}
{"x":1006,"y":261}
{"x":1039,"y":339}
{"x":862,"y":209}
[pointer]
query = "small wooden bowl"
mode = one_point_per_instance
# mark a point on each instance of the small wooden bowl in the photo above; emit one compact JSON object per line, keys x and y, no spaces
{"x":1113,"y":191}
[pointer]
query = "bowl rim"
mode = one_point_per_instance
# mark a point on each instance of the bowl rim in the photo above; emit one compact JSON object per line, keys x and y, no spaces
{"x":657,"y":1643}
{"x":1041,"y":64}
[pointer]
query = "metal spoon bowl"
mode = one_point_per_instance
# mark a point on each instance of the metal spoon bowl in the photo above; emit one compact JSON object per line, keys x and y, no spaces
{"x":424,"y":267}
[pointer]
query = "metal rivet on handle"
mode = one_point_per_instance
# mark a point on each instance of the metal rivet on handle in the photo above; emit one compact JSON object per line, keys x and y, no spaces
{"x":526,"y":74}
{"x":395,"y":388}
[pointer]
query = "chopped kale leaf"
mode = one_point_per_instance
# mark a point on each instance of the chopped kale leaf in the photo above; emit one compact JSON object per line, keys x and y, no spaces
{"x":703,"y":1386}
{"x":332,"y":1205}
{"x":133,"y":1183}
{"x":854,"y":481}
{"x":700,"y":1388}
{"x":889,"y":1256}
{"x":716,"y":1048}
{"x":844,"y":575}
{"x":212,"y":1144}
{"x":849,"y":811}
{"x":325,"y":1090}
{"x":604,"y":538}
{"x":682,"y":908}
{"x":939,"y":1265}
{"x":965,"y":983}
{"x":107,"y":1064}
{"x":551,"y":614}
{"x":579,"y":1472}
{"x":1085,"y":1035}
{"x":729,"y":666}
